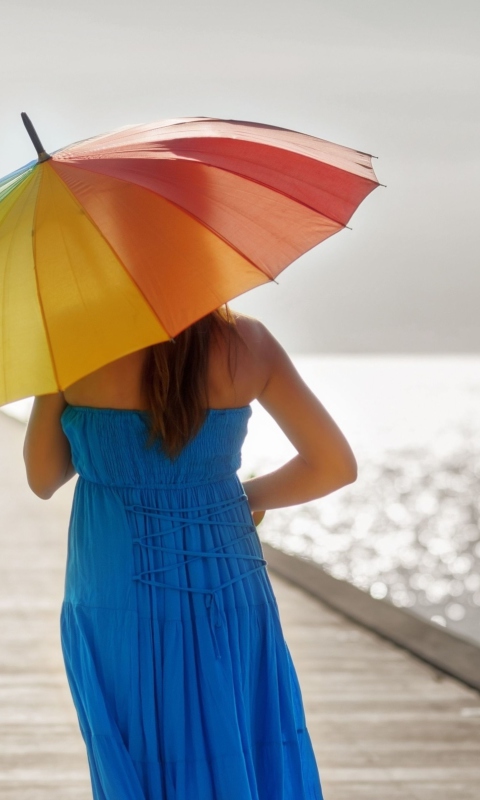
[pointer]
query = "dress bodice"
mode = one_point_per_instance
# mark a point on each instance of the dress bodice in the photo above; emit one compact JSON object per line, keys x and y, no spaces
{"x":109,"y":447}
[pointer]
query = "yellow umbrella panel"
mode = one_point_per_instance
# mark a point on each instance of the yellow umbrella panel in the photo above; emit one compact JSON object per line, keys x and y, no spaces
{"x":68,"y":306}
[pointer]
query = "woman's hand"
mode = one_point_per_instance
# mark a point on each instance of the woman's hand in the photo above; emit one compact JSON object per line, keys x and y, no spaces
{"x":46,"y":450}
{"x":257,"y":517}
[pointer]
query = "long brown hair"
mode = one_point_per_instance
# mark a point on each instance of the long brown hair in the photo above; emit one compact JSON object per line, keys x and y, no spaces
{"x":174,"y":380}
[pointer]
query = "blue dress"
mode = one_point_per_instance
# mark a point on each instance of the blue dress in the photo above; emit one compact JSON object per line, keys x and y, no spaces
{"x":180,"y":675}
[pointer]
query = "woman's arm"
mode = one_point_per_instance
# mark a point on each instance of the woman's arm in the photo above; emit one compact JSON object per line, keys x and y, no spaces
{"x":46,"y":450}
{"x":325,"y":461}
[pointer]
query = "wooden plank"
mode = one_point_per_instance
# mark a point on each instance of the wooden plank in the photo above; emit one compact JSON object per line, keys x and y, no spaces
{"x":451,"y":653}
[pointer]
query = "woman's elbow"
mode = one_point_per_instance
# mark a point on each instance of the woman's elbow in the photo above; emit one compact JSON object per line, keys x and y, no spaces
{"x":351,"y":474}
{"x":37,"y":480}
{"x":44,"y":494}
{"x":346,"y":472}
{"x":44,"y":484}
{"x":38,"y":488}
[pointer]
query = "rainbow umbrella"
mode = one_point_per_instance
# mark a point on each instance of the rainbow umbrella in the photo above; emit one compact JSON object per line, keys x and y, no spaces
{"x":124,"y":240}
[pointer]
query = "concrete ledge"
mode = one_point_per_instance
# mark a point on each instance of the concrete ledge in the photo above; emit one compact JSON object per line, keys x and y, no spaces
{"x":441,"y":648}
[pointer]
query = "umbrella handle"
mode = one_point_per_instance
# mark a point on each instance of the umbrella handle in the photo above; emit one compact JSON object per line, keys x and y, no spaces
{"x":42,"y":155}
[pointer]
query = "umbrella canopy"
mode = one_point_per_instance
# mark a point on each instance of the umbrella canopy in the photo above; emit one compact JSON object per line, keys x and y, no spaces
{"x":124,"y":240}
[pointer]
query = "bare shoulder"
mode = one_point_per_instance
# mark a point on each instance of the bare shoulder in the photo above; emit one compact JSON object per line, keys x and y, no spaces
{"x":282,"y":388}
{"x":265,"y":354}
{"x":249,"y":328}
{"x":258,"y":350}
{"x":292,"y":404}
{"x":256,"y":337}
{"x":268,"y":353}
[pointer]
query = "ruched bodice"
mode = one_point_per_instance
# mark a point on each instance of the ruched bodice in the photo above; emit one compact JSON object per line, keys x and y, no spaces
{"x":214,"y":454}
{"x":182,"y":680}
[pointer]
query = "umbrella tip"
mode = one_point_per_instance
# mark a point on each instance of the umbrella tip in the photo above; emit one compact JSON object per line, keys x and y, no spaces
{"x":42,"y":155}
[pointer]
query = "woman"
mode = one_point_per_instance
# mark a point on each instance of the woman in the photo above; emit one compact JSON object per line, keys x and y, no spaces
{"x":173,"y":647}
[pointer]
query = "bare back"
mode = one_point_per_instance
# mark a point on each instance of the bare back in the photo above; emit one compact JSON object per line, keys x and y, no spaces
{"x":261,"y":370}
{"x":118,"y":385}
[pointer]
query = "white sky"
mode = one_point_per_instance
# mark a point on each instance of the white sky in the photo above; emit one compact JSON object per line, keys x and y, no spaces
{"x":400,"y":80}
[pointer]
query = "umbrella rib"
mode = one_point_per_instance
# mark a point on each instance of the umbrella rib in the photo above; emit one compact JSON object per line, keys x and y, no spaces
{"x":40,"y":301}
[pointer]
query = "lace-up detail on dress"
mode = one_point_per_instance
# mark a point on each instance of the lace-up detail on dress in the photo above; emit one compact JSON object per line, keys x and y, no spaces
{"x":208,"y":513}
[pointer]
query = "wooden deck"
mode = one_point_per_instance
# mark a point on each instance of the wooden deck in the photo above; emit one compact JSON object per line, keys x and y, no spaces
{"x":384,"y":724}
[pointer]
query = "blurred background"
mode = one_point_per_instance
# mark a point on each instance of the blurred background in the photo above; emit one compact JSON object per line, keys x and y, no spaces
{"x":381,"y":320}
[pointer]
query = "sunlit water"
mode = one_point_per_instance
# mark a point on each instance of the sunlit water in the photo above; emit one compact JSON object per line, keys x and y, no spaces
{"x":408,"y":529}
